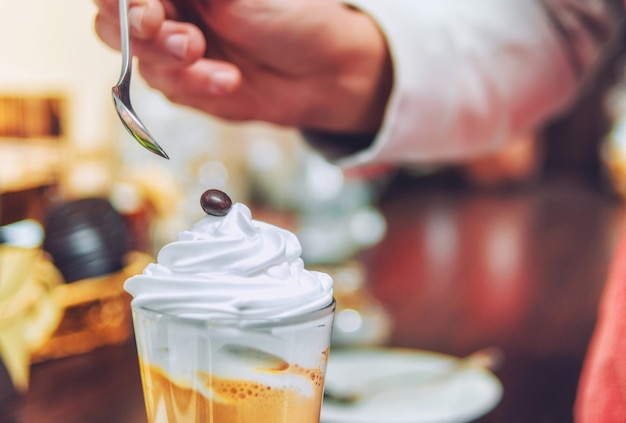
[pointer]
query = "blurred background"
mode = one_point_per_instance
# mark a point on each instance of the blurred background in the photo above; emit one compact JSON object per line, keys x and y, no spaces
{"x":83,"y":206}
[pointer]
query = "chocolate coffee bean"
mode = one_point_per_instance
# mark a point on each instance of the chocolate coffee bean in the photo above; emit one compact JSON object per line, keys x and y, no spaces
{"x":215,"y":202}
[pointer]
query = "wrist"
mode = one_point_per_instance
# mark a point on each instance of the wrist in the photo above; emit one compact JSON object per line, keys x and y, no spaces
{"x":368,"y":73}
{"x":354,"y":98}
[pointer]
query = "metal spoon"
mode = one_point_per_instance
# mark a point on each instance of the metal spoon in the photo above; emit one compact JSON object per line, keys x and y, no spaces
{"x":486,"y":358}
{"x":121,"y":91}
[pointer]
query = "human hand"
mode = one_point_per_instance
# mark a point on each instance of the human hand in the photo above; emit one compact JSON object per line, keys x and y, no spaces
{"x":305,"y":63}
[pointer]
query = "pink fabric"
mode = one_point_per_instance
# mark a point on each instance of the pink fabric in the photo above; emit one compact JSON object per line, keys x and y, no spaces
{"x":602,"y":388}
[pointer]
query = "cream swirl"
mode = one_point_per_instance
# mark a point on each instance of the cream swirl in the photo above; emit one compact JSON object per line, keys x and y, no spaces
{"x":231,"y":267}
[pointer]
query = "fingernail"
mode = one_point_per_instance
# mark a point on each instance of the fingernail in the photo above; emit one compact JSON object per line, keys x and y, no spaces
{"x":135,"y":18}
{"x":177,"y":45}
{"x":222,"y":82}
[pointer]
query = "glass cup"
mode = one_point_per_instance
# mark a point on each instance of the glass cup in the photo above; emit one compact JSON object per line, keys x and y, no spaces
{"x":233,"y":370}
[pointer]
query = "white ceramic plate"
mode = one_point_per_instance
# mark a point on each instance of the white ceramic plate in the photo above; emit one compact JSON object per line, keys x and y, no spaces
{"x":460,"y":398}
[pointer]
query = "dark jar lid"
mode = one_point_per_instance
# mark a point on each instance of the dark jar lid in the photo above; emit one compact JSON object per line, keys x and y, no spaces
{"x":86,"y":238}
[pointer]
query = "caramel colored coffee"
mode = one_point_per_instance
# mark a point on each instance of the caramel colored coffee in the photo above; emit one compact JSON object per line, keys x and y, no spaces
{"x":234,"y":401}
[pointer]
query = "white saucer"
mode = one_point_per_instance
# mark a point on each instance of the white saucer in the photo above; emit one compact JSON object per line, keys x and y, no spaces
{"x":461,"y":398}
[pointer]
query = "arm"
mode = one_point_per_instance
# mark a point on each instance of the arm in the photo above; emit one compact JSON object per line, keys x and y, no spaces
{"x":468,"y":75}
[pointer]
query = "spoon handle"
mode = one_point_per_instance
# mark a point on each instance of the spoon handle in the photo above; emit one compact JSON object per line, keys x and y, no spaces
{"x":125,"y":41}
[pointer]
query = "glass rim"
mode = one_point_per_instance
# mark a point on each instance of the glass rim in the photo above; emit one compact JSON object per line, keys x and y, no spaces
{"x":241,"y":321}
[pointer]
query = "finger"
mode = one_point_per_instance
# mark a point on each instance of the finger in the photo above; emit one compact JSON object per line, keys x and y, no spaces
{"x":144,"y":16}
{"x":176,"y":44}
{"x":171,"y":11}
{"x":193,"y":84}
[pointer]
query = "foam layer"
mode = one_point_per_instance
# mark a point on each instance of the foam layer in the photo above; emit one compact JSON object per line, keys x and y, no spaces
{"x":233,"y":401}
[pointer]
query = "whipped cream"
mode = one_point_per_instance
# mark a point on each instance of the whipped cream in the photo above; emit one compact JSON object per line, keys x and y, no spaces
{"x":231,"y":266}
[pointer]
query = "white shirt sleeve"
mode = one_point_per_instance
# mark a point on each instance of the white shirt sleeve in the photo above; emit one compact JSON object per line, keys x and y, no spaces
{"x":468,"y":74}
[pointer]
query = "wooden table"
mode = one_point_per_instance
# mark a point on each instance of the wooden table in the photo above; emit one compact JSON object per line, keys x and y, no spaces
{"x":519,"y":270}
{"x":458,"y":270}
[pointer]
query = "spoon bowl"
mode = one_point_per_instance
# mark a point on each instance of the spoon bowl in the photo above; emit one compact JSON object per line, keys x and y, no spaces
{"x":121,"y":91}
